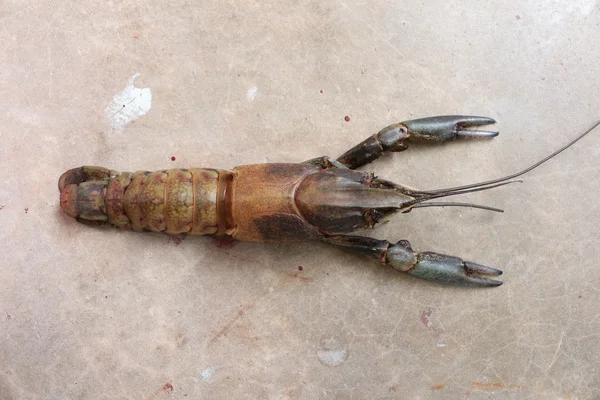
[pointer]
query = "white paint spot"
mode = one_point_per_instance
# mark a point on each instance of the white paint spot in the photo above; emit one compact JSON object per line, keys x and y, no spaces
{"x":128,"y":105}
{"x":208,"y":373}
{"x":441,"y":345}
{"x":252,"y":93}
{"x":332,"y":352}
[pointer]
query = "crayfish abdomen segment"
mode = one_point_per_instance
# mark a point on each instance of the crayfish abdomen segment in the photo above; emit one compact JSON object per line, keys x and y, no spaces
{"x":173,"y":201}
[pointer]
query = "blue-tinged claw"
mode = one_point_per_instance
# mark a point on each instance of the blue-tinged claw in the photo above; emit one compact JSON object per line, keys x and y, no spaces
{"x":439,"y":267}
{"x":447,"y":127}
{"x":453,"y":270}
{"x":427,"y":265}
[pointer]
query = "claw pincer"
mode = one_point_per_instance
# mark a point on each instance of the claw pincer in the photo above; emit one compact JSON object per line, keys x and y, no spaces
{"x":448,"y":127}
{"x":453,"y":270}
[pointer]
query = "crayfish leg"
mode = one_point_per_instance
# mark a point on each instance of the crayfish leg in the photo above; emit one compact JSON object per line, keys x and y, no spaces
{"x":435,"y":267}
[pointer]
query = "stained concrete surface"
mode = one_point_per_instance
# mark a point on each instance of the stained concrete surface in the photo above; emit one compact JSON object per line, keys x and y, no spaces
{"x":104,"y":314}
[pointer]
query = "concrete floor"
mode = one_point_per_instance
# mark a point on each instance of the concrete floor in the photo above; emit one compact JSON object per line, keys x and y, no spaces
{"x":106,"y":314}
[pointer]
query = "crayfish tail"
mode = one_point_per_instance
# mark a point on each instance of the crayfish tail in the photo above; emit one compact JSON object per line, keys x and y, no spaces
{"x":176,"y":201}
{"x":82,"y":192}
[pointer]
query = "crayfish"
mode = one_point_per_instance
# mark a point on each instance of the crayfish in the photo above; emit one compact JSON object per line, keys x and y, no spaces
{"x":320,"y":199}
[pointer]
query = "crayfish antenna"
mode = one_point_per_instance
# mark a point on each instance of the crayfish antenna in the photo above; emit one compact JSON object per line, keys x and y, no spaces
{"x":486,"y":184}
{"x":455,"y":204}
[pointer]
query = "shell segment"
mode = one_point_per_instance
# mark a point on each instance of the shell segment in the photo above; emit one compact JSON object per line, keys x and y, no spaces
{"x":176,"y":201}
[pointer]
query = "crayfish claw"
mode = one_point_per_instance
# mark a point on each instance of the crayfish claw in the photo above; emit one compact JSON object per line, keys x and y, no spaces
{"x":453,"y":270}
{"x":473,"y":268}
{"x":474,"y":272}
{"x":467,"y":121}
{"x":475,"y":134}
{"x":396,"y":137}
{"x":448,"y":127}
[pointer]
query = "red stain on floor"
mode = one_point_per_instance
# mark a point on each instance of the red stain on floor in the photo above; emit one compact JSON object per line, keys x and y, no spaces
{"x":225,"y":242}
{"x":176,"y":239}
{"x":438,"y":387}
{"x":424,"y":316}
{"x":163,"y":392}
